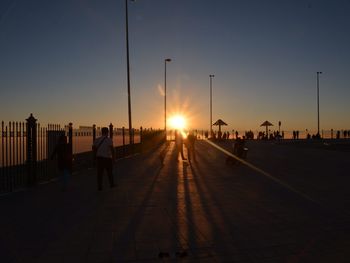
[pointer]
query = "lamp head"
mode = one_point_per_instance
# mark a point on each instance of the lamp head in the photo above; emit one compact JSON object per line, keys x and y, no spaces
{"x":168,"y":60}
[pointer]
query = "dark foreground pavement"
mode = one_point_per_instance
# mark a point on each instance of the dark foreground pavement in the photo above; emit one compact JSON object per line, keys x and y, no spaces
{"x":206,"y":211}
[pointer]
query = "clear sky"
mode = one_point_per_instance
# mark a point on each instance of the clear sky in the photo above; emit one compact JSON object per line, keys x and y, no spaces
{"x":65,"y":61}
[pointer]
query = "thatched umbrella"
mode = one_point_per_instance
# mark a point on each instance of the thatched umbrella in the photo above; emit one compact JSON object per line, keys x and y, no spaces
{"x":219,"y":122}
{"x":266,"y":124}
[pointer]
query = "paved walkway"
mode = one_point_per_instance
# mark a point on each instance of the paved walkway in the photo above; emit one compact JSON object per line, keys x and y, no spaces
{"x":206,"y":211}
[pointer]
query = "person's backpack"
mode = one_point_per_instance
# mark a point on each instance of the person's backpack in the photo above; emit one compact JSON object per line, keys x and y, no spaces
{"x":95,"y":148}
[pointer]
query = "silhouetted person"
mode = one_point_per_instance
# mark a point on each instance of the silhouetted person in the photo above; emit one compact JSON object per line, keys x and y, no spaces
{"x":238,"y":149}
{"x":64,"y":155}
{"x":179,"y":144}
{"x":191,"y":140}
{"x":103,"y":147}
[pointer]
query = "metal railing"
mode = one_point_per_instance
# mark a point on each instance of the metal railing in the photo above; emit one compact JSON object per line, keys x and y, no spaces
{"x":12,"y":155}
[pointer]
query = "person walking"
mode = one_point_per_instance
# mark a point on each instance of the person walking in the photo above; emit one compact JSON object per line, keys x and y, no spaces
{"x":179,"y":144}
{"x":191,"y":150}
{"x":63,"y":151}
{"x":104,"y":152}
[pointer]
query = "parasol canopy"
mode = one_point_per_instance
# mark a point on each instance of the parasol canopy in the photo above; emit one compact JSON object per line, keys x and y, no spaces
{"x":266,"y":124}
{"x":219,"y":123}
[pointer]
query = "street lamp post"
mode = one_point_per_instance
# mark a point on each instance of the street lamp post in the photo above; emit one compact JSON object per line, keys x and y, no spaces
{"x":165,"y":61}
{"x":318,"y":103}
{"x":128,"y":69}
{"x":211,"y":109}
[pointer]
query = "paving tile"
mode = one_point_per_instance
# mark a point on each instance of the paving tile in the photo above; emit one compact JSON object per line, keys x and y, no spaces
{"x":99,"y":258}
{"x":121,"y":253}
{"x":102,"y":242}
{"x":146,"y":250}
{"x":50,"y":257}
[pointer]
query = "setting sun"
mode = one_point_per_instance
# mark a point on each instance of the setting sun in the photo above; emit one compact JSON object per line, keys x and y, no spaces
{"x":177,"y":122}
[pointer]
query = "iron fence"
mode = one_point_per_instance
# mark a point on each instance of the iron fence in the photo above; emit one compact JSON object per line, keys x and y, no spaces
{"x":12,"y":155}
{"x":15,"y":166}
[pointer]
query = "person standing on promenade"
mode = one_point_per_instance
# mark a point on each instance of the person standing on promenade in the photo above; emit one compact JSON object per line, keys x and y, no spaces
{"x":191,"y":139}
{"x":64,"y":155}
{"x":104,"y":152}
{"x":179,"y":144}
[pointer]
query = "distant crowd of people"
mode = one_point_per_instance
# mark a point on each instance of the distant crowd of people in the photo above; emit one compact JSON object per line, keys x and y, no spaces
{"x":218,"y":135}
{"x":277,"y":135}
{"x":346,"y":134}
{"x":226,"y":135}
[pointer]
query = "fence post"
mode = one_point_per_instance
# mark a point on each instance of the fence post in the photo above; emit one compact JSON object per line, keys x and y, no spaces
{"x":31,"y":150}
{"x":93,"y":133}
{"x":111,"y":131}
{"x":70,"y":137}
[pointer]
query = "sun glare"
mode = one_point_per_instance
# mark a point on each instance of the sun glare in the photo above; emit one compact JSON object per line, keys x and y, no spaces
{"x":177,"y":122}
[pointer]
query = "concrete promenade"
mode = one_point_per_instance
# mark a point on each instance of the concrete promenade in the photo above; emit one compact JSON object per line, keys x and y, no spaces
{"x":294,"y":207}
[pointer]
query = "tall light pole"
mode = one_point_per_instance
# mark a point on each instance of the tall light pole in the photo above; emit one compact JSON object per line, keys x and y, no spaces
{"x":128,"y":68}
{"x":165,"y":61}
{"x":211,"y":108}
{"x":318,"y":103}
